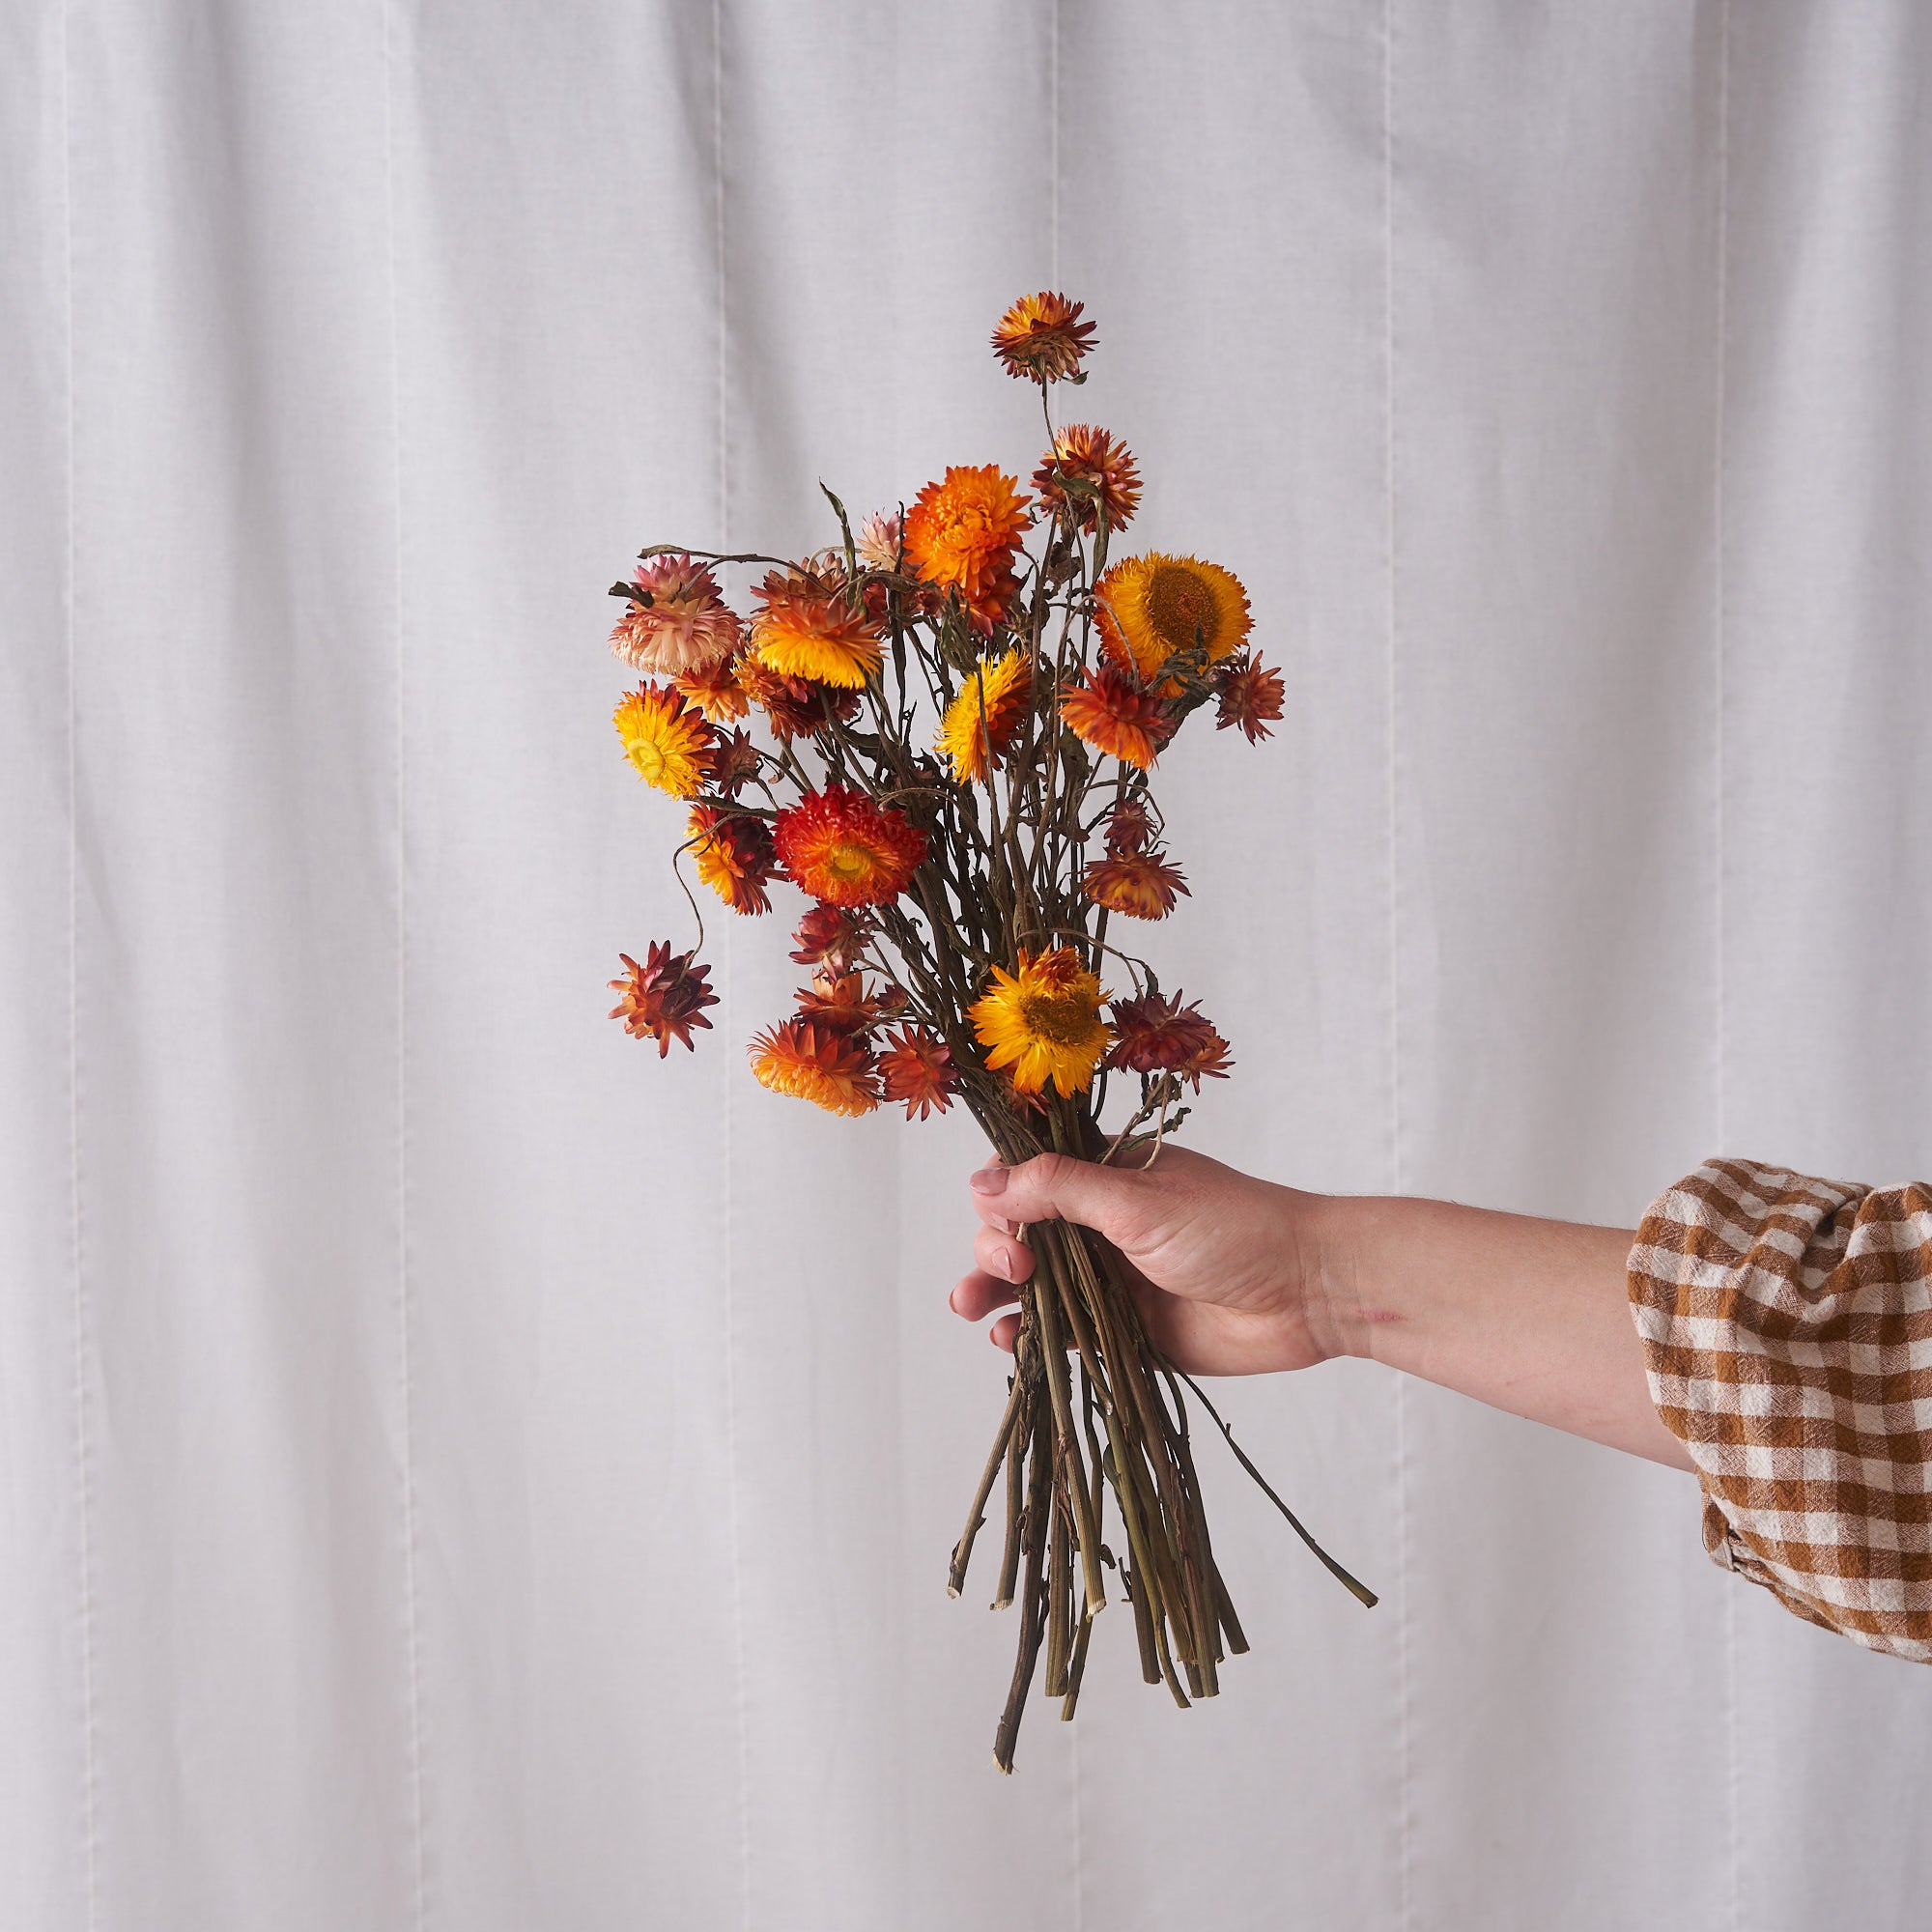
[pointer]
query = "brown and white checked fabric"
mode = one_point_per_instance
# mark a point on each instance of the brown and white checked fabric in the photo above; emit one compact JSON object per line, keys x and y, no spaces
{"x":1788,"y":1331}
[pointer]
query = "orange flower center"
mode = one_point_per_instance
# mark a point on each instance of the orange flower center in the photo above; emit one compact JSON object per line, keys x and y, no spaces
{"x":1063,"y":1018}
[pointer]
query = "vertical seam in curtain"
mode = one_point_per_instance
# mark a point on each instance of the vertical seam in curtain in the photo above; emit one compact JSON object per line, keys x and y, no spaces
{"x":1053,"y":278}
{"x":90,"y":1840}
{"x":1053,"y":122}
{"x":1735,"y":1779}
{"x":1405,"y":1822}
{"x":405,"y":1360}
{"x":732,"y":1483}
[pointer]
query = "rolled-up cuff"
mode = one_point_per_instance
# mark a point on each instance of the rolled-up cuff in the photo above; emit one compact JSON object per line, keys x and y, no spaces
{"x":1787,"y":1333}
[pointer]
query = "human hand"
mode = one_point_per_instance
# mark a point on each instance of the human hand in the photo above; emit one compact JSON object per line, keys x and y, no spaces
{"x":1226,"y":1268}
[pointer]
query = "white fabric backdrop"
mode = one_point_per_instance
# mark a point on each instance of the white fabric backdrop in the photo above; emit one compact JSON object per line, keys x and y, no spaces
{"x":456,"y":1473}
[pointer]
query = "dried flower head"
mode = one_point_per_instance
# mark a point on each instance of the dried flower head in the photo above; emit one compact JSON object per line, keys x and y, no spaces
{"x":801,"y":630}
{"x":1159,"y":1035}
{"x":878,"y":540}
{"x":795,"y":707}
{"x":841,"y":847}
{"x":1087,"y":472}
{"x":811,"y":1063}
{"x":1043,"y":1022}
{"x":1151,"y":606}
{"x":1111,"y":712}
{"x":676,"y":621}
{"x":839,"y":1001}
{"x":980,"y":722}
{"x":734,"y":763}
{"x":1129,"y":824}
{"x":832,"y":937}
{"x":668,"y":743}
{"x":1041,"y":337}
{"x":963,"y":532}
{"x":917,"y":1067}
{"x":1251,"y":696}
{"x":1142,"y":885}
{"x":734,"y":856}
{"x":714,"y":688}
{"x":664,"y":997}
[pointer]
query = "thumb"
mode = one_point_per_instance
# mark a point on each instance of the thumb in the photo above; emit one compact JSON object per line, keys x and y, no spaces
{"x":1056,"y":1187}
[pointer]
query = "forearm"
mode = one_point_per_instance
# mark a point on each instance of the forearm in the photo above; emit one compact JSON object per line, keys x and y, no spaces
{"x":1528,"y":1315}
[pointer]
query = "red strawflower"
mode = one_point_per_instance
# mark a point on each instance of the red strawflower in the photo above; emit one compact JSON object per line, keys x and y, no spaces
{"x":918,"y":1068}
{"x":1129,"y":824}
{"x":831,"y":936}
{"x":663,"y":997}
{"x":839,"y":1001}
{"x":734,"y":763}
{"x":1159,"y":1035}
{"x":1084,"y":454}
{"x":1251,"y":695}
{"x":841,"y":847}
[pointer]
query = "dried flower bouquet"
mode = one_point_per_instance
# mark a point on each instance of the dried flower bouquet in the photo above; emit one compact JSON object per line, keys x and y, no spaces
{"x":959,"y":707}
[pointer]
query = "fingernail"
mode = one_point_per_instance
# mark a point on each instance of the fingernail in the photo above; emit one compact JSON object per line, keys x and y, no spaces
{"x":989,"y":1181}
{"x":1003,"y":1266}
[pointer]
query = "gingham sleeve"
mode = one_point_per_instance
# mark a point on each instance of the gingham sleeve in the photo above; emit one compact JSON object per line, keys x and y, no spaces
{"x":1787,"y":1333}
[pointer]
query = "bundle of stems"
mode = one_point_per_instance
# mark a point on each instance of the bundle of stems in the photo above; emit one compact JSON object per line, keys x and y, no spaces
{"x":1130,"y":1436}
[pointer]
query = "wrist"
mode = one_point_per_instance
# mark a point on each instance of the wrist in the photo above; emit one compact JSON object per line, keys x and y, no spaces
{"x":1330,"y":1237}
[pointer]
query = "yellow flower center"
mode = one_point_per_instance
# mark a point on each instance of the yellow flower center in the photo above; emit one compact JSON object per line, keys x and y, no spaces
{"x":1179,"y":604}
{"x":849,"y":864}
{"x":1064,"y":1020}
{"x":649,"y":759}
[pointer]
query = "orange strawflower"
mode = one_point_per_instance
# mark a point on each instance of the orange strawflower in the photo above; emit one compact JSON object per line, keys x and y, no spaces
{"x":963,"y":532}
{"x":734,"y":856}
{"x":1082,"y":454}
{"x":1043,"y":1022}
{"x":1251,"y":696}
{"x":801,"y":631}
{"x":917,"y":1067}
{"x":842,"y":848}
{"x":714,"y":688}
{"x":1157,"y":1034}
{"x":676,"y":621}
{"x":1112,"y":714}
{"x":817,"y":1064}
{"x":663,"y":997}
{"x":980,"y":721}
{"x":668,"y":743}
{"x":1142,"y":885}
{"x":1151,"y":606}
{"x":1041,"y":337}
